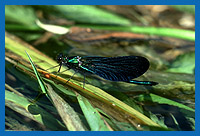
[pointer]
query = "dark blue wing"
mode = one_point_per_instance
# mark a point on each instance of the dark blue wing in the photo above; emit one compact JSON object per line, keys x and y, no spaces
{"x":122,"y":68}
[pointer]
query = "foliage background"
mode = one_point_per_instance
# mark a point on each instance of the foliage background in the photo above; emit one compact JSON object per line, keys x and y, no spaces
{"x":166,"y":38}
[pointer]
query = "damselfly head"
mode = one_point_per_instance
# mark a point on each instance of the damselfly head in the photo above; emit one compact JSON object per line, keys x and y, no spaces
{"x":60,"y":58}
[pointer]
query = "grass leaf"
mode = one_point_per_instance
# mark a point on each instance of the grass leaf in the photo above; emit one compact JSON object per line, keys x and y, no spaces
{"x":90,"y":14}
{"x":94,"y":119}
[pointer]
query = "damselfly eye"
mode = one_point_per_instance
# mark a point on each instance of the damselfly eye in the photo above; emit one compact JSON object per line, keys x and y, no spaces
{"x":60,"y":58}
